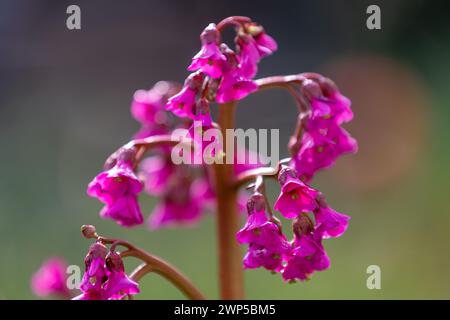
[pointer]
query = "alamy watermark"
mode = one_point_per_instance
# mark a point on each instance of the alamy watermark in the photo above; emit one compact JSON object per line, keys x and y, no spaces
{"x":198,"y":146}
{"x":374,"y":280}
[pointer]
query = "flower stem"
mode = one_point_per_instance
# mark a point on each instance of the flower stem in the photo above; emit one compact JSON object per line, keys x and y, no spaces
{"x":156,"y":265}
{"x":231,"y":277}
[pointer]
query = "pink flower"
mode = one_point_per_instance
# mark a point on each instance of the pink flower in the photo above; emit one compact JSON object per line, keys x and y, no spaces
{"x":267,"y":244}
{"x":296,"y":197}
{"x":51,"y":279}
{"x":260,"y":256}
{"x":210,"y":59}
{"x":105,"y":277}
{"x":249,"y":56}
{"x":146,"y":105}
{"x":117,"y":188}
{"x":321,"y":147}
{"x":181,"y":204}
{"x":118,"y":284}
{"x":266,"y":44}
{"x":157,"y":171}
{"x":329,"y":223}
{"x":234,"y":87}
{"x":307,"y":257}
{"x":95,"y":273}
{"x":182,"y":104}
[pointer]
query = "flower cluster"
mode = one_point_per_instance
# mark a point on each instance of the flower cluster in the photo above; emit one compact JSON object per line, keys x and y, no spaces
{"x":105,"y":277}
{"x":312,"y":221}
{"x":324,"y":140}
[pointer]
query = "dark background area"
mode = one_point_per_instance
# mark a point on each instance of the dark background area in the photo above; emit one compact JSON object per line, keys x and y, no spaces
{"x":64,"y":107}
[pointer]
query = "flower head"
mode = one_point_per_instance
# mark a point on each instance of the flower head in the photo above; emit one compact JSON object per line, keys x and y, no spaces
{"x":330,"y":223}
{"x":117,"y":188}
{"x":209,"y":59}
{"x":307,"y":257}
{"x":182,"y":104}
{"x":296,"y":196}
{"x":118,"y":284}
{"x":249,"y":55}
{"x":182,"y":203}
{"x":265,"y":44}
{"x":267,"y":244}
{"x":50,"y":279}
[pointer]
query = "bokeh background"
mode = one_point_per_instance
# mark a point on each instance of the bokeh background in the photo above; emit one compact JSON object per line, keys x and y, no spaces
{"x":64,"y":107}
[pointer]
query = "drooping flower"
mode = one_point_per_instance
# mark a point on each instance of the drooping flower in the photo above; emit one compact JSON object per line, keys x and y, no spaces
{"x":321,"y":147}
{"x":324,"y":140}
{"x":210,"y":60}
{"x":182,"y":104}
{"x":249,"y":55}
{"x":118,"y":284}
{"x":95,"y":274}
{"x":265,"y":44}
{"x":148,"y":108}
{"x":181,"y":204}
{"x":329,"y":223}
{"x":118,"y":188}
{"x":50,"y":279}
{"x":234,"y":85}
{"x":307,"y":257}
{"x":105,"y":276}
{"x":156,"y":172}
{"x":296,"y":196}
{"x":267,"y":244}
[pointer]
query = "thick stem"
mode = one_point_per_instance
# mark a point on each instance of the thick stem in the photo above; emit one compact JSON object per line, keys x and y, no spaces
{"x":231,"y":277}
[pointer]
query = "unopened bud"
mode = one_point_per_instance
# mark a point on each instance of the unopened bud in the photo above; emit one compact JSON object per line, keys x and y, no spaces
{"x":256,"y":203}
{"x":210,"y":34}
{"x":311,"y":89}
{"x":302,"y":225}
{"x":285,"y":173}
{"x":114,"y":262}
{"x":89,"y":231}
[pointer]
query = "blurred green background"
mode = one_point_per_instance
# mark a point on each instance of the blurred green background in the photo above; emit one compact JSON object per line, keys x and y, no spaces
{"x":64,"y":107}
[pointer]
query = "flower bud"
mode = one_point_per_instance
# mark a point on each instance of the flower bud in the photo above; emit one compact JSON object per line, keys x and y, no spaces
{"x":89,"y":231}
{"x":311,"y":89}
{"x":210,"y":34}
{"x":286,"y":172}
{"x":114,"y":262}
{"x":256,"y":203}
{"x":302,"y":225}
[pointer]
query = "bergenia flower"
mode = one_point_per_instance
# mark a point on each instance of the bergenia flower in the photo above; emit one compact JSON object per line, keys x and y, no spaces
{"x":118,"y":188}
{"x":210,"y":60}
{"x":182,"y":104}
{"x":265,"y":44}
{"x":95,"y":274}
{"x":321,"y":147}
{"x":180,"y":205}
{"x":50,"y":279}
{"x":156,"y":172}
{"x":329,"y":223}
{"x":249,"y":56}
{"x":307,"y":257}
{"x":234,"y":85}
{"x":146,"y":105}
{"x":118,"y":284}
{"x":267,"y":244}
{"x":296,"y":196}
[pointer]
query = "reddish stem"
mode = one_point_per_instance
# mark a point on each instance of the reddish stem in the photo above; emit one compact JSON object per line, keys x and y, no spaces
{"x":157,"y":265}
{"x":231,"y":276}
